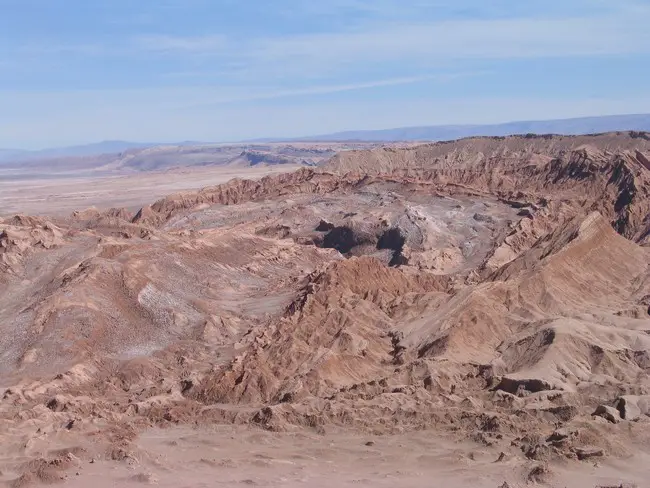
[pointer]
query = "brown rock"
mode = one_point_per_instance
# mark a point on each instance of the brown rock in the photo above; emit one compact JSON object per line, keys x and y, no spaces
{"x":632,"y":407}
{"x":584,"y":453}
{"x":609,"y":413}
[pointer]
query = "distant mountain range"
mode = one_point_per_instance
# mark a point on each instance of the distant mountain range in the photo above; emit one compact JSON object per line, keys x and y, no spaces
{"x":576,"y":126}
{"x":94,"y":149}
{"x":104,"y":147}
{"x":11,"y":153}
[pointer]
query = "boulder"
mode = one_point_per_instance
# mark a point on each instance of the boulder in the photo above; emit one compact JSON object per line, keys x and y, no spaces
{"x":608,"y":413}
{"x":584,"y":453}
{"x":561,"y":435}
{"x":632,"y":407}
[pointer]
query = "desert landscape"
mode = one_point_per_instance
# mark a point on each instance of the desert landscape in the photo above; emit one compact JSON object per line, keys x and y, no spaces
{"x":461,"y":313}
{"x":58,"y":184}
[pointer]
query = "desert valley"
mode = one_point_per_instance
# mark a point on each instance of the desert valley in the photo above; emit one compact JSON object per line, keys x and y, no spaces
{"x":461,"y":313}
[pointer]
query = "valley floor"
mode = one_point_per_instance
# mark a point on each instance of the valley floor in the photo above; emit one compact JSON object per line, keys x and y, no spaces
{"x":232,"y":456}
{"x":60,"y":195}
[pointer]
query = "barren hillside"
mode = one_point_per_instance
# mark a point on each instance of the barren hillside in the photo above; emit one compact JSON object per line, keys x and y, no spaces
{"x":492,"y":290}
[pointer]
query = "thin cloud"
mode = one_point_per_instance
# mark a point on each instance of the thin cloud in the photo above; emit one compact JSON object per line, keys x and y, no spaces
{"x":416,"y":41}
{"x":198,"y":45}
{"x":379,"y":42}
{"x":174,"y":84}
{"x":326,"y":89}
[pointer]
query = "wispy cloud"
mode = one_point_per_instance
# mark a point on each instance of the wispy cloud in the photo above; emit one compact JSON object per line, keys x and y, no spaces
{"x":177,"y":69}
{"x":211,"y":44}
{"x":381,"y":40}
{"x":419,"y":44}
{"x":60,"y":49}
{"x":265,"y":94}
{"x":474,"y":9}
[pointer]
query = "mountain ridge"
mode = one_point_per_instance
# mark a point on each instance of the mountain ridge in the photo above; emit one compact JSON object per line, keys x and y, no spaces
{"x":570,"y":126}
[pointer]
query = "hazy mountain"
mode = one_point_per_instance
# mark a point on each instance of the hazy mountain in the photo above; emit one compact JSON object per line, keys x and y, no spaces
{"x":94,"y":149}
{"x":577,"y":126}
{"x":104,"y":147}
{"x":187,"y":154}
{"x":11,"y":153}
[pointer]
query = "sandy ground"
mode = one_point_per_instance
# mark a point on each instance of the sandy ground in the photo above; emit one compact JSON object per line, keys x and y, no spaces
{"x":241,"y":456}
{"x":62,"y":194}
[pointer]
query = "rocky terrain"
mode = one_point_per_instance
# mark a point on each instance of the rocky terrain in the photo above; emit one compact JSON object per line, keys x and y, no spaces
{"x":491,"y":292}
{"x":51,"y":184}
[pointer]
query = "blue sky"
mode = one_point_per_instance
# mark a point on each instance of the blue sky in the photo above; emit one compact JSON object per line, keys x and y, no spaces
{"x":77,"y":71}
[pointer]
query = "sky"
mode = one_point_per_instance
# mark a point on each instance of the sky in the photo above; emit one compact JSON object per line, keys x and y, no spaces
{"x":81,"y":71}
